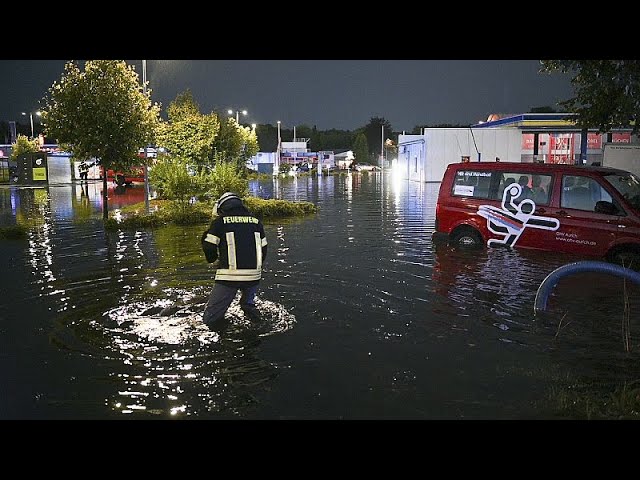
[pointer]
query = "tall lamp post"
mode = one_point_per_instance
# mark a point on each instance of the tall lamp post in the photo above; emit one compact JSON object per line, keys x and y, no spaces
{"x":382,"y":148}
{"x":276,"y":170}
{"x":145,"y":168}
{"x":238,"y":112}
{"x":31,"y":118}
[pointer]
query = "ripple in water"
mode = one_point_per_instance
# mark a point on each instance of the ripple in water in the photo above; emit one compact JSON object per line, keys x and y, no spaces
{"x":169,"y":322}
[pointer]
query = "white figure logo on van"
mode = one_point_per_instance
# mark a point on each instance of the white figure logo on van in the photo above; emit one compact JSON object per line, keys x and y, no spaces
{"x":510,"y":221}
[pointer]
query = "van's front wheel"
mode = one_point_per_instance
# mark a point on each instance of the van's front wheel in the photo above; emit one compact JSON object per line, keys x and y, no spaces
{"x":467,"y":238}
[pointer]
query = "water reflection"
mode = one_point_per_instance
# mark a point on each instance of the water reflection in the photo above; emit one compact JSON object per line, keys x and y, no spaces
{"x":365,"y":317}
{"x":207,"y":372}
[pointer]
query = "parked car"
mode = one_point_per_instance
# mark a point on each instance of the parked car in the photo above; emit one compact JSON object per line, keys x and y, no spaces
{"x":584,"y":210}
{"x":367,"y":168}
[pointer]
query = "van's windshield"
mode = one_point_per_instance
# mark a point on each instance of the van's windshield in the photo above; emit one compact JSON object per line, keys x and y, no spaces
{"x":629,"y":187}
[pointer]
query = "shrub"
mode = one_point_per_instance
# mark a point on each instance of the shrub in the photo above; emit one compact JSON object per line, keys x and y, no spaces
{"x":173,"y":180}
{"x":225,"y":177}
{"x":284,"y":168}
{"x":278,"y":208}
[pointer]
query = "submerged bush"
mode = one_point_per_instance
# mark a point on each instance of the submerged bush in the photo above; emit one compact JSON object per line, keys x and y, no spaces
{"x":278,"y":208}
{"x":164,"y":212}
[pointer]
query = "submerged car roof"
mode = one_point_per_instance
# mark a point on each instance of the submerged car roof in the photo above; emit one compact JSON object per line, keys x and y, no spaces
{"x":534,"y":167}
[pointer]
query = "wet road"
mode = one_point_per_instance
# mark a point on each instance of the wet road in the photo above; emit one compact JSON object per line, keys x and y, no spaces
{"x":364,"y":317}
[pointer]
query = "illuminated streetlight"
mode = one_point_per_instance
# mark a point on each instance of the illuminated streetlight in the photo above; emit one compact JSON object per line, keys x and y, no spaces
{"x":31,"y":118}
{"x":238,"y":112}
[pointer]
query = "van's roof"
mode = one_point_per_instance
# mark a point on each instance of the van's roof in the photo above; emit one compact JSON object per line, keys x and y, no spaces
{"x":533,"y":167}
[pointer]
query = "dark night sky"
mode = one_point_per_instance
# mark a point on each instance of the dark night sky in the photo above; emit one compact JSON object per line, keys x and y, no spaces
{"x":342,"y":94}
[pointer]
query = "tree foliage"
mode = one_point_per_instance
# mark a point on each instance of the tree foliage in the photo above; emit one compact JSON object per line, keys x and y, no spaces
{"x":234,"y":143}
{"x":4,"y":131}
{"x":331,"y":140}
{"x":267,"y":137}
{"x":173,"y":179}
{"x":373,"y":132}
{"x":183,"y":106}
{"x":204,"y":140}
{"x":103,"y":113}
{"x":189,"y":134}
{"x":360,"y":149}
{"x":24,"y":145}
{"x":225,"y":177}
{"x":607,"y":92}
{"x":543,"y":109}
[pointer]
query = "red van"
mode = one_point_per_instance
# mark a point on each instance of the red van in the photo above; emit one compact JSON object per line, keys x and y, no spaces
{"x":585,"y":210}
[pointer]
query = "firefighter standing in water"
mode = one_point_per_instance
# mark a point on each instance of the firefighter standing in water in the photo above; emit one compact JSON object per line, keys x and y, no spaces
{"x":83,"y":168}
{"x":236,"y":238}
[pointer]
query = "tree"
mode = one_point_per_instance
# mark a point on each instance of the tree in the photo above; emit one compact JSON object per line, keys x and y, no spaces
{"x":267,"y":137}
{"x":184,"y":106}
{"x":189,"y":134}
{"x":102,"y":113}
{"x":607,"y":92}
{"x":373,"y":132}
{"x":360,"y":148}
{"x":304,"y":131}
{"x":235,"y":143}
{"x":543,"y":109}
{"x":24,"y":145}
{"x":4,"y":131}
{"x":331,"y":140}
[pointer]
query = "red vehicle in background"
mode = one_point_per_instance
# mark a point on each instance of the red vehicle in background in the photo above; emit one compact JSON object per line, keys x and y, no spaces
{"x":131,"y":175}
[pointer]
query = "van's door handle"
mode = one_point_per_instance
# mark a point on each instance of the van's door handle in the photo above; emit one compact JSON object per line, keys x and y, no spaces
{"x":541,"y":210}
{"x":562,"y":213}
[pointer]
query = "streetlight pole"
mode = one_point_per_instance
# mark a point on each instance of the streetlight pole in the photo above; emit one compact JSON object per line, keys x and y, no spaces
{"x":244,"y":112}
{"x":146,"y":170}
{"x":276,"y":170}
{"x":31,"y":119}
{"x":382,"y":148}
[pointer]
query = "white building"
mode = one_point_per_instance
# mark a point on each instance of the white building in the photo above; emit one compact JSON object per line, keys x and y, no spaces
{"x":540,"y":137}
{"x":293,"y":153}
{"x":425,"y":157}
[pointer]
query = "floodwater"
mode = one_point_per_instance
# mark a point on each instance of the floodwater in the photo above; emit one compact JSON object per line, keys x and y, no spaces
{"x":364,"y":318}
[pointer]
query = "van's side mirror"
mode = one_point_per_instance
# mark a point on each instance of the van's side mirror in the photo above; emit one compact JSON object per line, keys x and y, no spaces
{"x":605,"y":207}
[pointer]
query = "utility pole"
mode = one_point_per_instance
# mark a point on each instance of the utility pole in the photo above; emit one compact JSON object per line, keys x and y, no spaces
{"x":382,"y":148}
{"x":146,"y":170}
{"x":276,"y":170}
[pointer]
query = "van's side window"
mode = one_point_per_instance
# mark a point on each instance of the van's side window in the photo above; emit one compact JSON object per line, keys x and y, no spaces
{"x":534,"y":186}
{"x":582,"y":193}
{"x":469,"y":183}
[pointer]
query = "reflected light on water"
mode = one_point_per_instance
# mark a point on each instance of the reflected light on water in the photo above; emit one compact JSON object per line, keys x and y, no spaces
{"x":391,"y":325}
{"x":397,"y":182}
{"x":213,"y":364}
